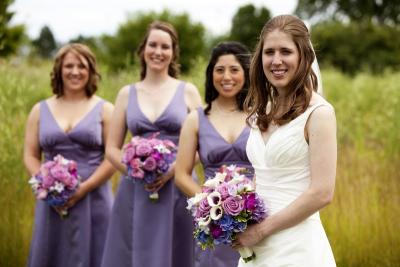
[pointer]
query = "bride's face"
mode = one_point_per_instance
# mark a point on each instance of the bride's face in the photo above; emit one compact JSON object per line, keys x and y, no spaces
{"x":280,"y":59}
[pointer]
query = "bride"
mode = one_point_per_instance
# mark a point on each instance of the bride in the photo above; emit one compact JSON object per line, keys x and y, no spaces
{"x":292,"y":147}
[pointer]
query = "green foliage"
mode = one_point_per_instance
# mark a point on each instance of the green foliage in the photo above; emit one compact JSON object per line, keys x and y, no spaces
{"x":356,"y":46}
{"x":247,"y":24}
{"x":119,"y":51}
{"x":378,"y":11}
{"x":11,"y":37}
{"x":45,"y":44}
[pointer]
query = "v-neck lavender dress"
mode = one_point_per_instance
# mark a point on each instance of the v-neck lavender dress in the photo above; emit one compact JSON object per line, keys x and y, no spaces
{"x":77,"y":240}
{"x":142,"y":233}
{"x":215,"y":151}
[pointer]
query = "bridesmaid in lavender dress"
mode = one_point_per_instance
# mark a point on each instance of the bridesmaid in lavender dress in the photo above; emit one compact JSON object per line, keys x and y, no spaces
{"x":143,"y":233}
{"x":219,"y":133}
{"x":72,"y":123}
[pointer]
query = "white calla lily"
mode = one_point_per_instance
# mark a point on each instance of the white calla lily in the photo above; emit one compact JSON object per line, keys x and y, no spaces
{"x":216,"y":212}
{"x":204,"y":221}
{"x":214,"y":199}
{"x":195,"y":200}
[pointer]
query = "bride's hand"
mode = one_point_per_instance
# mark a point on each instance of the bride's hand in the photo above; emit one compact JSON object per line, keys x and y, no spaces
{"x":250,"y":237}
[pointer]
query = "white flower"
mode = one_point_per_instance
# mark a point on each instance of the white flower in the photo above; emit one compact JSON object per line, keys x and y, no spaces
{"x":216,"y":212}
{"x":59,"y":187}
{"x":237,"y":178}
{"x":195,"y":200}
{"x":214,"y":199}
{"x":162,"y":149}
{"x":231,"y":168}
{"x":33,"y":181}
{"x":204,"y":221}
{"x":217,"y":180}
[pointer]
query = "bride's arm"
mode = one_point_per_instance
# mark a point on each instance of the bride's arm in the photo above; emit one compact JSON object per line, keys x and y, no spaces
{"x":321,"y":131}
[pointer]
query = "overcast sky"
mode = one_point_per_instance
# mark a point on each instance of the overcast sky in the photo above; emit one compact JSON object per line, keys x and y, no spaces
{"x":69,"y":18}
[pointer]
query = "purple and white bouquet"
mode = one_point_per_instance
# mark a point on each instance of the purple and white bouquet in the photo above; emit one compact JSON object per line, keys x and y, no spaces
{"x":147,"y":159}
{"x":56,"y":181}
{"x":227,"y":205}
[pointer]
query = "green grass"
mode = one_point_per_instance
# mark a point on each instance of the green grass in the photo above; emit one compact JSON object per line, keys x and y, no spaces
{"x":362,"y":221}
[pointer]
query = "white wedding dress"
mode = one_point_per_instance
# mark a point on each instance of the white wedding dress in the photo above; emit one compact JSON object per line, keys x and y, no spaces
{"x":282,"y":170}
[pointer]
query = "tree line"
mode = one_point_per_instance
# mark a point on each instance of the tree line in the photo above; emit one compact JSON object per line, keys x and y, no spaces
{"x":351,"y":35}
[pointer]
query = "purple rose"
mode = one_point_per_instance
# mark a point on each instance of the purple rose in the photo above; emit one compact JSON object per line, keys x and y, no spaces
{"x":203,"y":209}
{"x":250,"y":201}
{"x":150,"y":164}
{"x":215,"y":231}
{"x":233,"y":205}
{"x":143,"y":149}
{"x":156,"y":155}
{"x":223,"y":190}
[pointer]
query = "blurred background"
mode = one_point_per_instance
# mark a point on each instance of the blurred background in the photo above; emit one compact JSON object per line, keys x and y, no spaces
{"x":357,"y":43}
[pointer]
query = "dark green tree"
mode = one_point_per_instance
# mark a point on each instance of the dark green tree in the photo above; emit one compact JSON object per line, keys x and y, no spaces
{"x":247,"y":24}
{"x":119,"y":51}
{"x":45,"y":44}
{"x":11,"y":37}
{"x":354,"y":47}
{"x":376,"y":11}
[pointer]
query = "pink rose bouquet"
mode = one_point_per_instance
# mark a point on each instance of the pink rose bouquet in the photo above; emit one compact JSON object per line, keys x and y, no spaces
{"x":147,"y":159}
{"x":227,"y":204}
{"x":56,"y":181}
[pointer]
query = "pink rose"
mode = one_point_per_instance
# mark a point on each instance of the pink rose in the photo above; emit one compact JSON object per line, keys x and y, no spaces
{"x":58,"y":172}
{"x":135,"y":163}
{"x":143,"y":149}
{"x":233,"y":205}
{"x":137,"y":173}
{"x":150,"y":164}
{"x":128,"y":155}
{"x":47,"y":181}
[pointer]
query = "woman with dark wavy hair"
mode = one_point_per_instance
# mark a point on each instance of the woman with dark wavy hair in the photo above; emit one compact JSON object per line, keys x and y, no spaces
{"x":74,"y":123}
{"x":143,"y":233}
{"x":292,"y":147}
{"x":218,"y":133}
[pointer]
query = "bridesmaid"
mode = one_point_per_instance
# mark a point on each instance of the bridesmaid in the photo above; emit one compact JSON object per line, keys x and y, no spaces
{"x":143,"y":233}
{"x":73,"y":123}
{"x":219,"y":133}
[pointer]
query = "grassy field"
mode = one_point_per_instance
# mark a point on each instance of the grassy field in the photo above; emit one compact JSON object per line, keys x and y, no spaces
{"x":362,"y":221}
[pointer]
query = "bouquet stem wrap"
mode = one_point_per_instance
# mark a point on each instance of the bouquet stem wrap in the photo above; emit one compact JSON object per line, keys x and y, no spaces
{"x":247,"y":254}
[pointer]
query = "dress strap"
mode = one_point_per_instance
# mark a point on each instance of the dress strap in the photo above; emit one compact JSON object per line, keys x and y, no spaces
{"x":310,"y":109}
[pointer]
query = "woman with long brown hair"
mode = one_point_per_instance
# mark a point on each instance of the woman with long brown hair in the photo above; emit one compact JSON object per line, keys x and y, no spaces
{"x":143,"y":233}
{"x":292,"y":147}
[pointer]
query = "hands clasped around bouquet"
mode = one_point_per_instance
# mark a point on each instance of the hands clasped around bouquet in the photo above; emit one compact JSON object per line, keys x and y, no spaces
{"x":148,"y":160}
{"x":56,"y":182}
{"x":227,"y":204}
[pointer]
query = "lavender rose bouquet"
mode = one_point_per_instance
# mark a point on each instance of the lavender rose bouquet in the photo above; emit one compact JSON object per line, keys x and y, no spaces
{"x":147,"y":159}
{"x":56,"y":181}
{"x":227,"y":204}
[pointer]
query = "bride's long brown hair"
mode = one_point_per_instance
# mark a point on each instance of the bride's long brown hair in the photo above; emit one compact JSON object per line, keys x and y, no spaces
{"x":263,"y":93}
